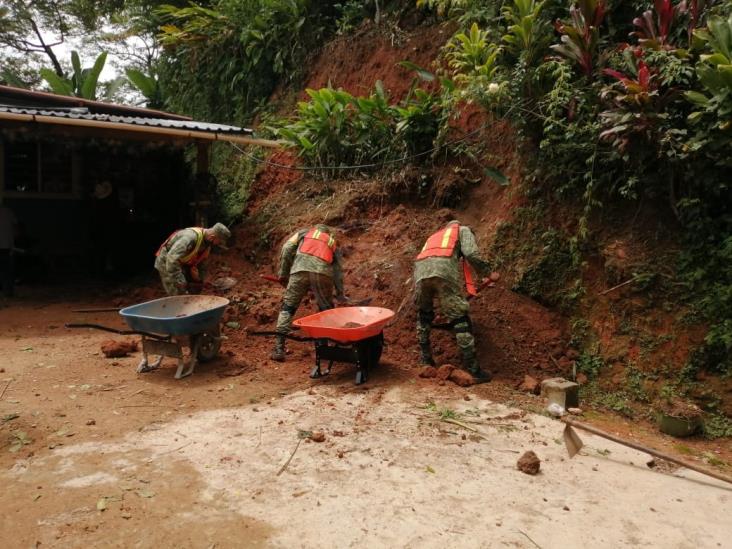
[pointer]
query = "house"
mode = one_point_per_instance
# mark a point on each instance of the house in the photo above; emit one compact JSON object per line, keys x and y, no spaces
{"x":84,"y":177}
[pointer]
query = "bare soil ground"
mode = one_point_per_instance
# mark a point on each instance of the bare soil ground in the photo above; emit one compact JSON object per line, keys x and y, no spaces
{"x":101,"y":456}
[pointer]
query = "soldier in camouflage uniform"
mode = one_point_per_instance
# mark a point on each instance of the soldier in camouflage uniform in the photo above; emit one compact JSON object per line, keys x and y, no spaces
{"x":438,"y":274}
{"x":309,"y":260}
{"x":180,"y":259}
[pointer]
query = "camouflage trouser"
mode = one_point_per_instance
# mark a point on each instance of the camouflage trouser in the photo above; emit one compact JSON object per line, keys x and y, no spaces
{"x":453,"y":306}
{"x":297,"y":287}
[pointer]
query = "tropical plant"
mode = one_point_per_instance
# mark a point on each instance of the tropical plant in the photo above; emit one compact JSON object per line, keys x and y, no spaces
{"x":473,"y":55}
{"x":335,"y":128}
{"x":443,"y":7}
{"x":654,"y":32}
{"x":714,"y":71}
{"x":635,"y":113}
{"x":83,"y":81}
{"x":580,"y":37}
{"x":526,"y":33}
{"x":148,"y":85}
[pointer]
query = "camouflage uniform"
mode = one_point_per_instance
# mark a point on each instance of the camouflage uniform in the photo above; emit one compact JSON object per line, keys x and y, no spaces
{"x":442,"y":278}
{"x":305,"y":272}
{"x":174,"y":275}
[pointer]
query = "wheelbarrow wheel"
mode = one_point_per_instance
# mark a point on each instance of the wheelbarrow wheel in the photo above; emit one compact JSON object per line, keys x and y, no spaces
{"x":208,"y":346}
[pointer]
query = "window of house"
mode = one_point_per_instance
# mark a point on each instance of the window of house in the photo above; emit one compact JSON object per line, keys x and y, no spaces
{"x":38,"y":168}
{"x":21,"y":167}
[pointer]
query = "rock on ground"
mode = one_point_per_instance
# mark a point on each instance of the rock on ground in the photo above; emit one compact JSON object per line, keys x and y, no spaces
{"x":444,"y":371}
{"x":529,"y":385}
{"x":461,"y":377}
{"x":529,"y":463}
{"x":116,"y":349}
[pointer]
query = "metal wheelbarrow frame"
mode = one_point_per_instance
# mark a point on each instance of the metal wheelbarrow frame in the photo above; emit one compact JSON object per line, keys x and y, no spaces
{"x":168,"y":324}
{"x":335,"y":341}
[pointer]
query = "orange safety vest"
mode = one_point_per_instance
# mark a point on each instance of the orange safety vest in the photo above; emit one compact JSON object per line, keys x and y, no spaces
{"x":196,"y":255}
{"x":442,"y":244}
{"x":318,"y":244}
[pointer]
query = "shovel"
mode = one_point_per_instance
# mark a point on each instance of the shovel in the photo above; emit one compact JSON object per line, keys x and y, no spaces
{"x":572,"y":441}
{"x":574,"y":444}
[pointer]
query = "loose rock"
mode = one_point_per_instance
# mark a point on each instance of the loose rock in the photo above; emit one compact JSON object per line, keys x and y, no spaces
{"x":444,"y":371}
{"x":318,"y":436}
{"x":461,"y":377}
{"x":529,"y":463}
{"x":116,"y":349}
{"x":427,"y":371}
{"x":529,"y":385}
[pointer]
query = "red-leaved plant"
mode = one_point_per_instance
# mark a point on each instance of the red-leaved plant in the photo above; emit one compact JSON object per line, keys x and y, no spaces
{"x":654,"y":32}
{"x":580,"y":36}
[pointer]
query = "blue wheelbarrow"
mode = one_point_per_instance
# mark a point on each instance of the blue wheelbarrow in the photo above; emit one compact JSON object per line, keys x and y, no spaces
{"x":169,"y":324}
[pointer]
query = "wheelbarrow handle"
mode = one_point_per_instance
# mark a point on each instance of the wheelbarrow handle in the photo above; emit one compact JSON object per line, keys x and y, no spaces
{"x":116,"y":331}
{"x":287,"y":336}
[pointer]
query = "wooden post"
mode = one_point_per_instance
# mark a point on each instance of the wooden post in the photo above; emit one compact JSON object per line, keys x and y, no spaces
{"x":202,"y":200}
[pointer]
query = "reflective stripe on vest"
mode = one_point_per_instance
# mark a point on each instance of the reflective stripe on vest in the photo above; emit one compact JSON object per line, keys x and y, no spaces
{"x":442,"y":243}
{"x":318,"y":244}
{"x":195,"y":256}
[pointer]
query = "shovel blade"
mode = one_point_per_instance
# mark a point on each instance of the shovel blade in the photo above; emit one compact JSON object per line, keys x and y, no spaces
{"x":572,"y":441}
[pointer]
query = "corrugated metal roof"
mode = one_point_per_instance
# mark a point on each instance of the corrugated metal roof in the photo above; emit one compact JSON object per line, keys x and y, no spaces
{"x":20,"y":97}
{"x":81,"y":113}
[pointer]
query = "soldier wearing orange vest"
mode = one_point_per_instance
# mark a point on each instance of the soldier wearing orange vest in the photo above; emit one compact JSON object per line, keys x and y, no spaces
{"x":309,"y":260}
{"x":180,"y":259}
{"x":440,"y":273}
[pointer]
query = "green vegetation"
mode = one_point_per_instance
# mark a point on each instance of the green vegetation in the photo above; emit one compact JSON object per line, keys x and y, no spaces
{"x":83,"y":81}
{"x":222,"y":60}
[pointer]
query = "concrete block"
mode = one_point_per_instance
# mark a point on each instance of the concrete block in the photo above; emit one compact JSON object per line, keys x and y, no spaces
{"x":560,"y":391}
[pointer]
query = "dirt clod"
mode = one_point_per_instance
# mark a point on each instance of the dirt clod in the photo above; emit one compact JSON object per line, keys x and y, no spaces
{"x":461,"y":377}
{"x":427,"y":371}
{"x":529,"y":463}
{"x":116,"y":349}
{"x":444,"y":371}
{"x":529,"y":385}
{"x":317,"y":436}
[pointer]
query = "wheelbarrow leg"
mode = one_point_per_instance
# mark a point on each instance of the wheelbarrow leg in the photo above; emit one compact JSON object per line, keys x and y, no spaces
{"x":145,"y":365}
{"x":362,"y":357}
{"x":180,"y":373}
{"x":192,"y":361}
{"x":317,"y":372}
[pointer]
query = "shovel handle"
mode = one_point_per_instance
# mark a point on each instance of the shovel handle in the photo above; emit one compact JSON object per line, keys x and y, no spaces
{"x":116,"y":331}
{"x":271,"y":278}
{"x":647,"y":450}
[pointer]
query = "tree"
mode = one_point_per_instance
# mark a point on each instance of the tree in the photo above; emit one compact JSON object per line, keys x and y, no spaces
{"x":29,"y":27}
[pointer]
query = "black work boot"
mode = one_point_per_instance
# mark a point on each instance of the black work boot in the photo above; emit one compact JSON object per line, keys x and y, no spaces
{"x":278,"y":353}
{"x":470,"y":363}
{"x":480,"y":376}
{"x":425,"y":354}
